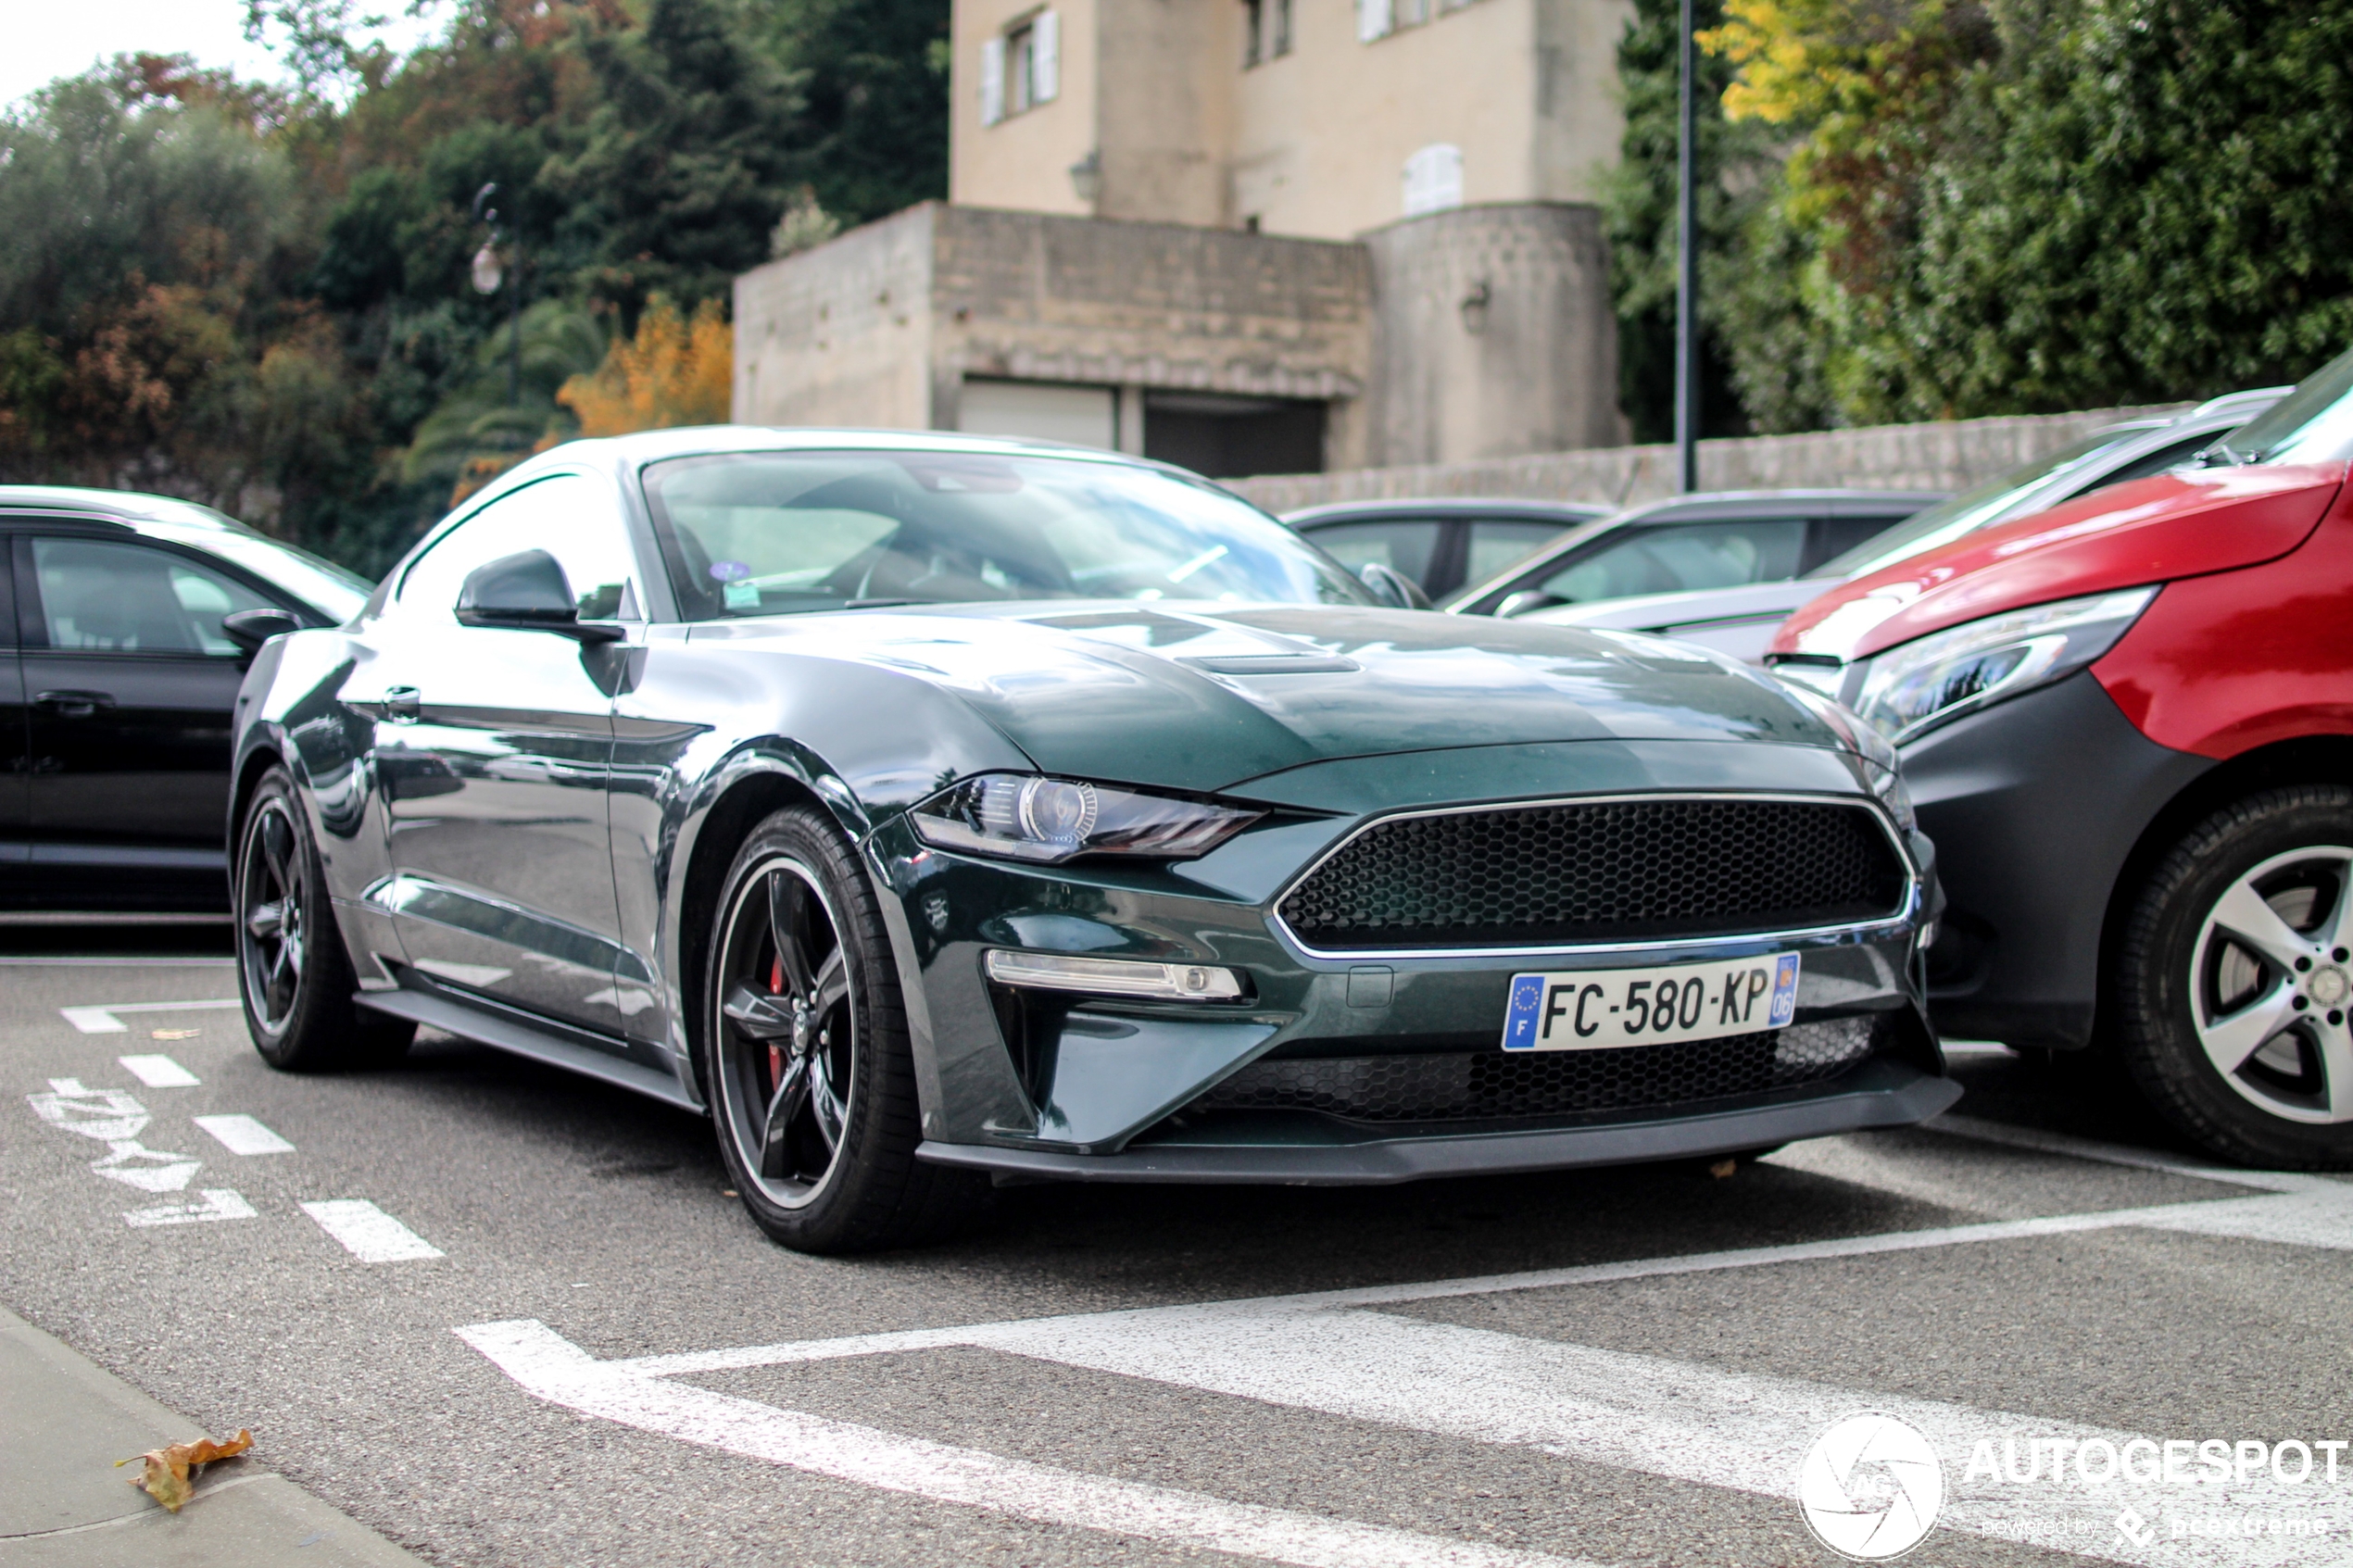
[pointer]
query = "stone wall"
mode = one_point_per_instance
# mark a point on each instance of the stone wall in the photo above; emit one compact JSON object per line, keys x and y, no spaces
{"x":1947,"y":455}
{"x":840,"y":334}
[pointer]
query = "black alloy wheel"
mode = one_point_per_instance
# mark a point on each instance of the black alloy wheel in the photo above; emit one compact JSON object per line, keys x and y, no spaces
{"x":807,"y":1061}
{"x":293,"y":973}
{"x":2234,"y":981}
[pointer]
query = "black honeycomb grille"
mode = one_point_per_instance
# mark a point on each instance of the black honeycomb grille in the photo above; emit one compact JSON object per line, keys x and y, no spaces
{"x":1496,"y":1085}
{"x":1608,"y":870}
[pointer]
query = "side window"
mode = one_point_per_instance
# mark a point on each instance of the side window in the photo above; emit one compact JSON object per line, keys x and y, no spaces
{"x":1495,"y":542}
{"x":1836,"y":535}
{"x":1680,"y":558}
{"x":100,"y":595}
{"x":1404,"y":543}
{"x":571,"y":517}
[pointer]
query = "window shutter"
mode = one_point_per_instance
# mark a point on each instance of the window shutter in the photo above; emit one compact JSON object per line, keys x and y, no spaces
{"x":1434,"y":180}
{"x":992,"y":80}
{"x":1046,"y":60}
{"x":1375,"y":19}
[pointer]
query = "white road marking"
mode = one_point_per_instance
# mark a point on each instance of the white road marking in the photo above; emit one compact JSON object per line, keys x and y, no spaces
{"x":109,"y":1115}
{"x":219,"y":1203}
{"x":159,"y":1071}
{"x":1327,"y":1352}
{"x":370,"y":1235}
{"x":244,"y":1134}
{"x":149,"y":1170}
{"x":561,"y":1373}
{"x":104,"y":1020}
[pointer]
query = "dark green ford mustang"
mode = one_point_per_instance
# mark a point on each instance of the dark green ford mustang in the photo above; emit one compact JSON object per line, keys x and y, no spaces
{"x":934,"y":808}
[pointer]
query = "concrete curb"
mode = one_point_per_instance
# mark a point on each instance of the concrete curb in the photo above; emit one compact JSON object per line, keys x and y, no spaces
{"x":63,"y":1502}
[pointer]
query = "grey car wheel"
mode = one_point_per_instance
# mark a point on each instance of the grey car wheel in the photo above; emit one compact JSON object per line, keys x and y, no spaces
{"x":2234,"y":981}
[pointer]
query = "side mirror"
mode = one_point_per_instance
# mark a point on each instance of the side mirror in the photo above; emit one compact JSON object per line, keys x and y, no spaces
{"x":527,"y":592}
{"x":248,"y":628}
{"x":1392,"y":586}
{"x":1522,"y":602}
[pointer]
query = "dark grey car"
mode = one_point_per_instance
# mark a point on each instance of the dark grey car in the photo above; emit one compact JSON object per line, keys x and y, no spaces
{"x":1441,"y":544}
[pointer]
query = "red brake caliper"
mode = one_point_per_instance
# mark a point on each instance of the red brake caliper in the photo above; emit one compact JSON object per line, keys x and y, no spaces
{"x":776,"y":1053}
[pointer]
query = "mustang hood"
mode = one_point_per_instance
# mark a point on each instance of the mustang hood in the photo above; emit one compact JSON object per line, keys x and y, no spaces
{"x":1199,"y":698}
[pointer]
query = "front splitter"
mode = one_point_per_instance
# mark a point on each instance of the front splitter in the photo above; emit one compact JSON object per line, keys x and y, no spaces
{"x":1879,"y":1094}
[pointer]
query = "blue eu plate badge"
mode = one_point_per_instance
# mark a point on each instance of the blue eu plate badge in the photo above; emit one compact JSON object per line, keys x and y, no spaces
{"x":1595,"y":1010}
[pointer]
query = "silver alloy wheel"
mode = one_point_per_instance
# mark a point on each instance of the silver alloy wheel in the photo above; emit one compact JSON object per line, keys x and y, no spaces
{"x":787,"y":1034}
{"x":269,"y":913}
{"x":2271,"y":988}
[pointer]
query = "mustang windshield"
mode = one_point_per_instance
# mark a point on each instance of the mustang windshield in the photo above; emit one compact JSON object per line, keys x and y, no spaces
{"x":775,"y":533}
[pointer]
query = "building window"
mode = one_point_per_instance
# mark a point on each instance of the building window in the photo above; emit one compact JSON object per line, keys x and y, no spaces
{"x":1265,"y":31}
{"x":1434,"y":179}
{"x":1021,"y":68}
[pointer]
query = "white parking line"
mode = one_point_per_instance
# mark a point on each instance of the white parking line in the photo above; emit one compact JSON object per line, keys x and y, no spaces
{"x":1327,"y":1352}
{"x":2041,"y":1142}
{"x":244,"y":1134}
{"x":103,"y":1020}
{"x":370,"y":1235}
{"x":561,"y":1373}
{"x":159,"y":1071}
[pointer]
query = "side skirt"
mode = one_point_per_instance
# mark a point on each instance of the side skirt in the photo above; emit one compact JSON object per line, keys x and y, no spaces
{"x":506,"y":1032}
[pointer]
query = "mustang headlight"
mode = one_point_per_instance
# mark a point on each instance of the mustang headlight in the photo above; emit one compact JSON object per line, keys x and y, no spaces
{"x":1881,"y":767}
{"x":1946,"y":674}
{"x":1028,"y":817}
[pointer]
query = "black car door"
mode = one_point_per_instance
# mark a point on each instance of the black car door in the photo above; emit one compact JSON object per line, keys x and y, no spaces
{"x":129,"y":682}
{"x":493,"y":750}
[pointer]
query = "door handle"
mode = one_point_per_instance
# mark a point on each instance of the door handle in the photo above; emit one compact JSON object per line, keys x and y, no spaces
{"x":403,"y":705}
{"x":74,"y":705}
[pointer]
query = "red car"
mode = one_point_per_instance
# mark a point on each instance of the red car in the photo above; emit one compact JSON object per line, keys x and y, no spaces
{"x":2128,"y":725}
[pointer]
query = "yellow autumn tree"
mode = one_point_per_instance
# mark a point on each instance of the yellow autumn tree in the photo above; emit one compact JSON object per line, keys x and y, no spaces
{"x":675,"y":370}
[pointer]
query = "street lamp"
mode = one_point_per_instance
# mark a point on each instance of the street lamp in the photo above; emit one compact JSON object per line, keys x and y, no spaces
{"x":1687,"y":266}
{"x":487,"y":275}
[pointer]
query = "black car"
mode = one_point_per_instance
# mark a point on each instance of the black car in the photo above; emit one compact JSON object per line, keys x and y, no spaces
{"x":118,"y":680}
{"x":1717,"y":540}
{"x":929,"y":808}
{"x":1441,"y":545}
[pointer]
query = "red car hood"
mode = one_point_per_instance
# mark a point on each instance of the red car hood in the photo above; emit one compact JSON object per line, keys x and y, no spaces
{"x":2154,"y":529}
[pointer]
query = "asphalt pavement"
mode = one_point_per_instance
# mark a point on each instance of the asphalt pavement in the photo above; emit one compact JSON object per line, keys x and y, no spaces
{"x":500,"y":1316}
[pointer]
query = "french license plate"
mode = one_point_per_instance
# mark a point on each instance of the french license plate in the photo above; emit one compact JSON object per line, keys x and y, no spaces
{"x":1599,"y":1008}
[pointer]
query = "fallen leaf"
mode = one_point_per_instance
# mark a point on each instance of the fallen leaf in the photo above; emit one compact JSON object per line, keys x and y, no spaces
{"x":163,"y":1473}
{"x":1723,"y":1167}
{"x":173,"y":1034}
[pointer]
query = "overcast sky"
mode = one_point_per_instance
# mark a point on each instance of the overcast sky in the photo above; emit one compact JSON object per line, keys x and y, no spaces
{"x":46,"y":39}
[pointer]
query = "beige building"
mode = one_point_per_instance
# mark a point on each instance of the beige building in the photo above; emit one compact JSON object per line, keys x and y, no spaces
{"x":1247,"y":236}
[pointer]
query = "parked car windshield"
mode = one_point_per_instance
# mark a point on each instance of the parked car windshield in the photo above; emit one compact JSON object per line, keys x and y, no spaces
{"x":776,"y":533}
{"x":1971,"y":509}
{"x":2312,"y":425}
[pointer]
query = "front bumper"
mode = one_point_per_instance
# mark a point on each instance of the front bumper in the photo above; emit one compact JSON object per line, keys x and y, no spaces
{"x":1879,"y":1092}
{"x":2035,"y":805}
{"x":1029,"y":1083}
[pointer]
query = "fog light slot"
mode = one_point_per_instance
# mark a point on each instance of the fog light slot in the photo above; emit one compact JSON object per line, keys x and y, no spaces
{"x":1115,"y":977}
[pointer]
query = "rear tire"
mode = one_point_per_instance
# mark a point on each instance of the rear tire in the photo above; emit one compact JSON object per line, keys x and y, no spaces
{"x":293,"y":971}
{"x":2233,"y":990}
{"x":806,"y":1057}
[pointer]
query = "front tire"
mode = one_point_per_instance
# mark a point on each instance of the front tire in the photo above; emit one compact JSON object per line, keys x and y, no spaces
{"x":2234,"y":993}
{"x":807,"y":1062}
{"x":293,"y":972}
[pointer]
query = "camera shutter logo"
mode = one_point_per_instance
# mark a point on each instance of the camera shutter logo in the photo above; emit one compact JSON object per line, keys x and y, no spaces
{"x":1870,"y":1488}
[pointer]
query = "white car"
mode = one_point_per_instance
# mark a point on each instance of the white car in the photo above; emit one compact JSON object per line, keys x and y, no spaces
{"x":1740,"y":619}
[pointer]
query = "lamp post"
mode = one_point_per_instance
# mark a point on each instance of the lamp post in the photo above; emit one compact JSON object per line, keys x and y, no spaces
{"x":1687,"y":264}
{"x":488,"y":275}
